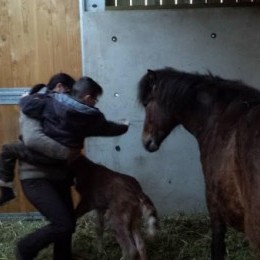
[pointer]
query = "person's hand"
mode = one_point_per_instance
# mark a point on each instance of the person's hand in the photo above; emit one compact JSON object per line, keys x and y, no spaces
{"x":125,"y":122}
{"x":24,"y":94}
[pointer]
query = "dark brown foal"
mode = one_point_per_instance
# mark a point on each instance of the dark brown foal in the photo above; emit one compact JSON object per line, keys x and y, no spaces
{"x":122,"y":198}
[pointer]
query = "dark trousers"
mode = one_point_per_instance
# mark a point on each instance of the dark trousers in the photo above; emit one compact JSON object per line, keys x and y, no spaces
{"x":53,"y":200}
{"x":14,"y":151}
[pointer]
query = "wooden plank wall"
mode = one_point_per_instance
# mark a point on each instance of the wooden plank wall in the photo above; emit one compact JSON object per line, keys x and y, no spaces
{"x":37,"y":39}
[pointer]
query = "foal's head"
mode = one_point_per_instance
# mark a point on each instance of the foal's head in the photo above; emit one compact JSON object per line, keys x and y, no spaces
{"x":158,"y":122}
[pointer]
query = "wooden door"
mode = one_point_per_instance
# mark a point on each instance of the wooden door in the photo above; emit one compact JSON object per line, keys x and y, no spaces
{"x":37,"y":39}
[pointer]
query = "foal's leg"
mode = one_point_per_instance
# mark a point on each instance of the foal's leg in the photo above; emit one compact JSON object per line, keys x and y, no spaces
{"x":124,"y":236}
{"x":100,"y":228}
{"x":140,"y":245}
{"x":218,"y":247}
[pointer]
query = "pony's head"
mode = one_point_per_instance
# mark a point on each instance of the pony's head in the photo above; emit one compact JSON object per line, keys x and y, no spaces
{"x":196,"y":101}
{"x":158,"y":121}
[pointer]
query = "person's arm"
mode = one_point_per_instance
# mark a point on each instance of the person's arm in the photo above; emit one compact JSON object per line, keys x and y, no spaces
{"x":34,"y":138}
{"x":110,"y":128}
{"x":104,"y":127}
{"x":33,"y":105}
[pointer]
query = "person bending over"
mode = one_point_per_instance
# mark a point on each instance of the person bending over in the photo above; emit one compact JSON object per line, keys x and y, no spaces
{"x":48,"y":188}
{"x":69,"y":119}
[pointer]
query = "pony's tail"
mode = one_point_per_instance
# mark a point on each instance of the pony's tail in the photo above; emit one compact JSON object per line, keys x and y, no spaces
{"x":150,"y":215}
{"x":36,"y":88}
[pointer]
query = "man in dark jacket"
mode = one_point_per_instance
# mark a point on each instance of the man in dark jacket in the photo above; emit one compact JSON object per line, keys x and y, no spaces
{"x":69,"y":119}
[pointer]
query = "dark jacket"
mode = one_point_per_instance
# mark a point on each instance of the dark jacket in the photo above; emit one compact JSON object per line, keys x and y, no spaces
{"x":67,"y":120}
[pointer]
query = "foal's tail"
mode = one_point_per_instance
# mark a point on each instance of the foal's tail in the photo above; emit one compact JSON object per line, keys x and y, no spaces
{"x":149,"y":214}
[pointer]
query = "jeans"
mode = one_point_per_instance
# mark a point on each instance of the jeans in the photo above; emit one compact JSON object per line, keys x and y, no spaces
{"x":54,"y":201}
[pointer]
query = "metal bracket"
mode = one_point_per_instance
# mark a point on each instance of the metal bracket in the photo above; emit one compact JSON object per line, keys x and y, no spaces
{"x":94,"y":5}
{"x":11,"y":96}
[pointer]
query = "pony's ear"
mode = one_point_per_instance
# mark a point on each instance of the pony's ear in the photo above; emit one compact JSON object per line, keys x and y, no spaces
{"x":151,"y":75}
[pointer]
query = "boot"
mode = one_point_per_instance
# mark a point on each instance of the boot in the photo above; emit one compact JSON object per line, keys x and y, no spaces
{"x":20,"y":256}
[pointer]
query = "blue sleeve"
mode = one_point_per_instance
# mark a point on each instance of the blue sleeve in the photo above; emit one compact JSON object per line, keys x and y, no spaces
{"x":33,"y":105}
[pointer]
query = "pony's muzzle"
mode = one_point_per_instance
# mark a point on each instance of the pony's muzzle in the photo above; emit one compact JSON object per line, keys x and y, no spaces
{"x":150,"y":144}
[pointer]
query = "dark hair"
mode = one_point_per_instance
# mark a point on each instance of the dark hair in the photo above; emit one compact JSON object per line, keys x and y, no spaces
{"x":62,"y":78}
{"x":86,"y":86}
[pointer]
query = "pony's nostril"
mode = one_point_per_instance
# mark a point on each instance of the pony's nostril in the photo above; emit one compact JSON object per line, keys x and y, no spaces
{"x":150,"y":145}
{"x":145,"y":143}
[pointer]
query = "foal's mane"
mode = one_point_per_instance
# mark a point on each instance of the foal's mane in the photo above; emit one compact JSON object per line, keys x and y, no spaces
{"x":173,"y":88}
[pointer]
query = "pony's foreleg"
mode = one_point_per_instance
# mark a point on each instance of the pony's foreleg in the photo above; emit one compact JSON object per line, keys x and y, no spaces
{"x":218,"y":248}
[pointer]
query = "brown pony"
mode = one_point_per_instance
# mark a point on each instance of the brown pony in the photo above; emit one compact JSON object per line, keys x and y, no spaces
{"x":223,"y":116}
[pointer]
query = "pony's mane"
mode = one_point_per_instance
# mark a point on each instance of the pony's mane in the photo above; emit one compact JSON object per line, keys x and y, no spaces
{"x":176,"y":88}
